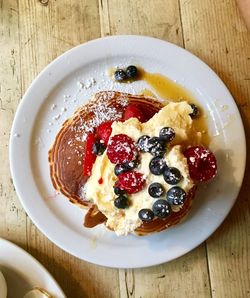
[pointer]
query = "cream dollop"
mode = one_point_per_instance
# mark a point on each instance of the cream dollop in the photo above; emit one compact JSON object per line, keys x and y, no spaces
{"x":124,"y":221}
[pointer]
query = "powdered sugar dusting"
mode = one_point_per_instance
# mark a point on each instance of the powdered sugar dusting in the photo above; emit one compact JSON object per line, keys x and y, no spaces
{"x":103,"y":112}
{"x":87,"y":84}
{"x":100,"y":110}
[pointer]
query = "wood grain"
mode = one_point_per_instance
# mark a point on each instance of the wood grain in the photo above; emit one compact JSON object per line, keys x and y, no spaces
{"x":45,"y":33}
{"x":159,"y":19}
{"x":226,"y":48}
{"x":185,"y":277}
{"x":31,"y":36}
{"x":12,"y":215}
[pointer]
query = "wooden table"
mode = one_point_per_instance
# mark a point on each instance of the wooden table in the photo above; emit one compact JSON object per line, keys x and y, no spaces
{"x":32,"y":34}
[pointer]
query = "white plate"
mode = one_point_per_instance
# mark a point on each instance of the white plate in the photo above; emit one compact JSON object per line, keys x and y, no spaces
{"x":57,"y":87}
{"x":22,"y":272}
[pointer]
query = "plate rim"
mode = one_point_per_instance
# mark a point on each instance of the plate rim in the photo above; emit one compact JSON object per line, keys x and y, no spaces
{"x":148,"y":263}
{"x":20,"y":252}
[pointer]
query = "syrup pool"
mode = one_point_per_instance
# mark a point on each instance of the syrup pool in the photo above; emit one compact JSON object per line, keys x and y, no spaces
{"x":170,"y":91}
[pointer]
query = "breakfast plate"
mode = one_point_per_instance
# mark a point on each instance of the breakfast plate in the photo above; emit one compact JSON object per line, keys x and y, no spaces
{"x":23,"y":273}
{"x":69,"y":82}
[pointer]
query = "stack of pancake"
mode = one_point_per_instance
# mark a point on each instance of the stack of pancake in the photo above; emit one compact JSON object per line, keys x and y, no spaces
{"x":67,"y":153}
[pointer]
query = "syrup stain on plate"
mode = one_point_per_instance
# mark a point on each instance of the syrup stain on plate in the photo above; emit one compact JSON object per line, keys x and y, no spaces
{"x":169,"y":91}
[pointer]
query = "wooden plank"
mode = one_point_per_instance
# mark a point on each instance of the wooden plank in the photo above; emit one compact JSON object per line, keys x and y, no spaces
{"x":184,"y":277}
{"x":46,"y":32}
{"x":160,"y":19}
{"x":12,"y":216}
{"x":226,"y":48}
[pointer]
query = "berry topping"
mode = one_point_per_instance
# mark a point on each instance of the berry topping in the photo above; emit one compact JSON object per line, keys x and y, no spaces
{"x":131,"y":72}
{"x":131,"y":181}
{"x":121,"y":149}
{"x":98,"y":148}
{"x":142,"y":143}
{"x":167,"y":134}
{"x":89,"y":156}
{"x":104,"y":131}
{"x":133,"y":111}
{"x":172,"y":175}
{"x":130,"y":165}
{"x":121,"y":202}
{"x":157,"y":165}
{"x":120,"y":168}
{"x":195,"y":112}
{"x":100,"y":181}
{"x":201,"y":163}
{"x":124,"y":167}
{"x":155,"y":190}
{"x":161,"y":208}
{"x":118,"y":191}
{"x":156,"y":146}
{"x":146,"y":215}
{"x":176,"y":195}
{"x":120,"y":75}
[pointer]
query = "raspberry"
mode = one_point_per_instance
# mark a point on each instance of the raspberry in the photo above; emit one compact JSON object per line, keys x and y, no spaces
{"x":133,"y":111}
{"x":201,"y":162}
{"x":121,"y":149}
{"x":89,"y":156}
{"x":104,"y":131}
{"x":131,"y":181}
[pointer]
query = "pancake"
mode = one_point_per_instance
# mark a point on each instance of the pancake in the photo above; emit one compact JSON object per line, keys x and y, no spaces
{"x":67,"y":153}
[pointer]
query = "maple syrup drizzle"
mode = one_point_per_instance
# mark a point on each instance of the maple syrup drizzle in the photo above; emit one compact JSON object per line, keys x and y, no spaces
{"x":165,"y":88}
{"x":170,"y":91}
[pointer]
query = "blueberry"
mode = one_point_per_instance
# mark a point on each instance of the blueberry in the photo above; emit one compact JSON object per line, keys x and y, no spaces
{"x":161,"y":208}
{"x":172,"y":175}
{"x":120,"y":168}
{"x":131,"y":164}
{"x":167,"y":134}
{"x":131,"y":72}
{"x":157,"y":165}
{"x":121,"y":202}
{"x":156,"y":146}
{"x":142,"y":143}
{"x":146,"y":215}
{"x":155,"y":190}
{"x":120,"y":75}
{"x":176,"y":196}
{"x":118,"y":191}
{"x":153,"y":142}
{"x":195,"y":112}
{"x":98,"y":148}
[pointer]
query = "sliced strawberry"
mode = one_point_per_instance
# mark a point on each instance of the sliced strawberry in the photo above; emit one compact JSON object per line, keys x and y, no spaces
{"x":89,"y":156}
{"x":104,"y":131}
{"x":121,"y":149}
{"x":131,"y":181}
{"x":133,"y":111}
{"x":201,"y":162}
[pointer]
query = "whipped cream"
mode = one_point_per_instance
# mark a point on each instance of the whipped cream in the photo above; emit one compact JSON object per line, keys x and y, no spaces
{"x":124,"y":221}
